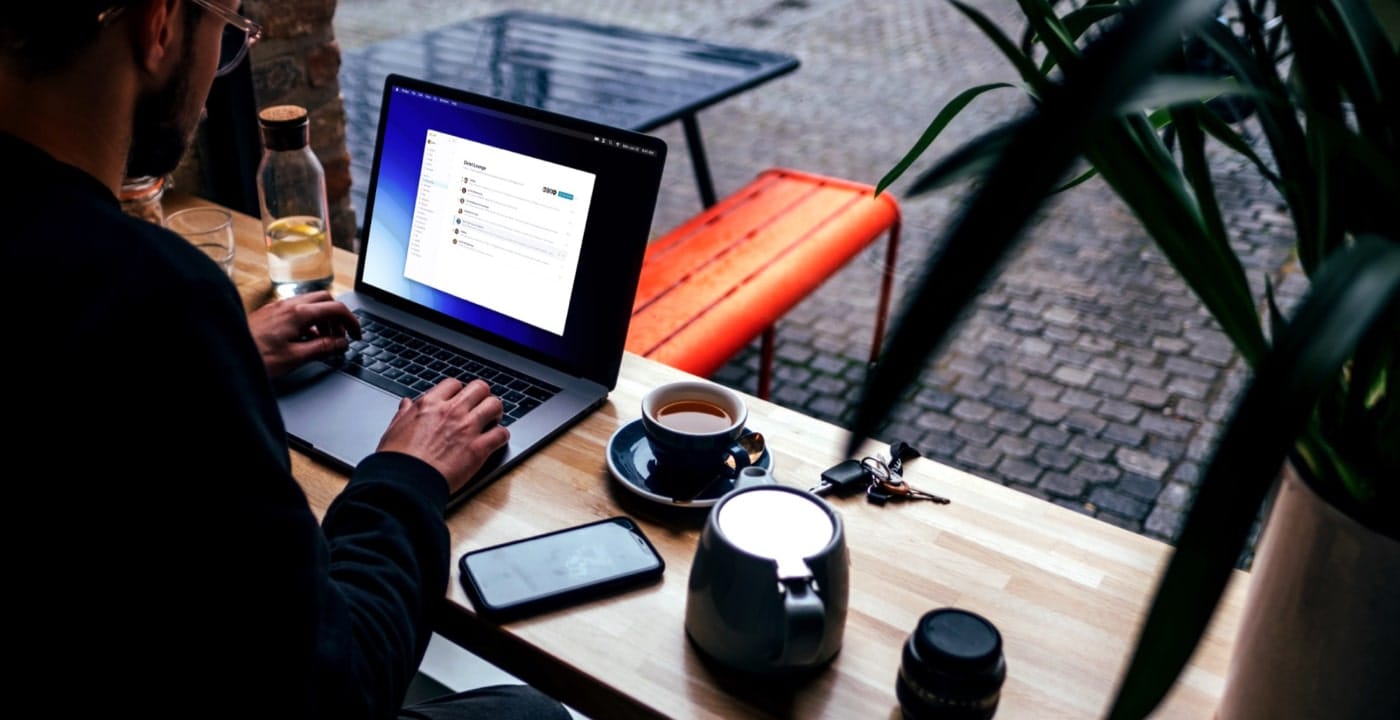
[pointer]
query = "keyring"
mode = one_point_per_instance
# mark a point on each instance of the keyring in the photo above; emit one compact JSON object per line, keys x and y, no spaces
{"x":877,"y":469}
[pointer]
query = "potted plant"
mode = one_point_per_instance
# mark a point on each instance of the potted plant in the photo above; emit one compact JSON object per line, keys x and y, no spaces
{"x":1119,"y":86}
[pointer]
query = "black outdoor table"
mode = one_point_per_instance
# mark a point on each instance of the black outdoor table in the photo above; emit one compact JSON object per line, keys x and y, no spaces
{"x":612,"y":75}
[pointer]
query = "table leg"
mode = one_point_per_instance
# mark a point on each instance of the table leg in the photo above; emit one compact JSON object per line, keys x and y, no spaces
{"x":697,"y":159}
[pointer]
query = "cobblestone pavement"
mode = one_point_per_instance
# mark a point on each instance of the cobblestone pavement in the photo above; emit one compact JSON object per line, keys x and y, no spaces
{"x":1087,"y":374}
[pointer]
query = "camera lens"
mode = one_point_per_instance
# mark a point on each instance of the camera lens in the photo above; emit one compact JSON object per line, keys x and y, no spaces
{"x":952,"y":668}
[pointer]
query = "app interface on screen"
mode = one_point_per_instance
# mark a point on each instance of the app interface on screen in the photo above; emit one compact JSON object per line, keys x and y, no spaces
{"x":499,"y":229}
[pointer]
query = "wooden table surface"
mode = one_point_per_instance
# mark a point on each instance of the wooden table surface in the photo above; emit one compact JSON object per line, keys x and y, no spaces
{"x":1067,"y":592}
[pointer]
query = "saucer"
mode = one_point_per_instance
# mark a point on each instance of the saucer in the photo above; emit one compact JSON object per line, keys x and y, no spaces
{"x":631,"y":462}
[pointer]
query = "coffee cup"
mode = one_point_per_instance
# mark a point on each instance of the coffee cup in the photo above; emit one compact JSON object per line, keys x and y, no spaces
{"x":691,"y":426}
{"x":770,"y":582}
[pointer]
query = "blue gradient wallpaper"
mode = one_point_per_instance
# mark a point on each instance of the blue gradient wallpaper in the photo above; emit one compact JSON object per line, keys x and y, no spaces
{"x":615,"y":234}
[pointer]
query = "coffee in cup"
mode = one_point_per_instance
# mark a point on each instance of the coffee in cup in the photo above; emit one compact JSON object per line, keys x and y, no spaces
{"x":691,"y":426}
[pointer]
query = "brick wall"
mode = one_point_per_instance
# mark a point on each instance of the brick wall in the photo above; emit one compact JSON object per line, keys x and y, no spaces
{"x":298,"y":62}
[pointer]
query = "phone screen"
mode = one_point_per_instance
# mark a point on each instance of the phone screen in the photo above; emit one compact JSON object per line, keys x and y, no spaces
{"x":561,"y":564}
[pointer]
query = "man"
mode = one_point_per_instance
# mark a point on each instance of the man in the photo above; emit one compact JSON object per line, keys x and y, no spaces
{"x":161,"y":556}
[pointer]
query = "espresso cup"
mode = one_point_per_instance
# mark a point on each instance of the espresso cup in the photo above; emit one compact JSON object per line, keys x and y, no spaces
{"x":691,"y":426}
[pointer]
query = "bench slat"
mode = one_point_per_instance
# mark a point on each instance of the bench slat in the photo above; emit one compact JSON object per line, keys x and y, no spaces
{"x":724,"y":277}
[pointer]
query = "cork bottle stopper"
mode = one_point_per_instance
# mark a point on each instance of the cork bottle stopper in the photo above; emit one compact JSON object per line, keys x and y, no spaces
{"x":285,"y":127}
{"x":283,"y":115}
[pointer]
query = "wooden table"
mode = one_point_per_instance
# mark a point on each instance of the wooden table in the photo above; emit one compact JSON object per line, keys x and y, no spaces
{"x":616,"y":76}
{"x":1066,"y":591}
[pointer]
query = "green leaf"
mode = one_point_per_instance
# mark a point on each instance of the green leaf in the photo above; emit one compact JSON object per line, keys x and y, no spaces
{"x":1037,"y":156}
{"x":1029,"y":74}
{"x":1350,"y":293}
{"x":1172,"y":90}
{"x":970,"y":160}
{"x":934,"y":128}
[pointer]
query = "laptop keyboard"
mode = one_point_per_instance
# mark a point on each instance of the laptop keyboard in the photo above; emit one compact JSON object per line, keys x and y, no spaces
{"x":407,"y":363}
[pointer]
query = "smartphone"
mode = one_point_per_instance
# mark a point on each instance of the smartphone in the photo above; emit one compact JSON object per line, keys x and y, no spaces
{"x":559,"y":568}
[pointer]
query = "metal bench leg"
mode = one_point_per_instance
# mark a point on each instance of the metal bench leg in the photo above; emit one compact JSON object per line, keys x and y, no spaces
{"x":765,"y":364}
{"x":886,"y":287}
{"x":697,"y":159}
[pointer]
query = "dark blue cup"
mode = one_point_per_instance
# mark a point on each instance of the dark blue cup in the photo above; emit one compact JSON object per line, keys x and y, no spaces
{"x":691,"y":426}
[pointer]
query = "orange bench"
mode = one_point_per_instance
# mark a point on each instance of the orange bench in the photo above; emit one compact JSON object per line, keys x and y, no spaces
{"x":727,"y":275}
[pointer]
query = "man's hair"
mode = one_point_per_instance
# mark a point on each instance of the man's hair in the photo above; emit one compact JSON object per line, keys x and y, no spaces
{"x":42,"y":37}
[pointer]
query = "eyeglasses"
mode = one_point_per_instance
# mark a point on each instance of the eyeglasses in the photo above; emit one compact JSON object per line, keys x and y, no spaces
{"x":239,"y":33}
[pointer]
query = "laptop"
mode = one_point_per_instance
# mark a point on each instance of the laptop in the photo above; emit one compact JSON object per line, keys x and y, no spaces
{"x":500,"y":241}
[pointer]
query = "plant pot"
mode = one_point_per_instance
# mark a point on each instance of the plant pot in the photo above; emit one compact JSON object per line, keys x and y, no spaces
{"x":1320,"y":634}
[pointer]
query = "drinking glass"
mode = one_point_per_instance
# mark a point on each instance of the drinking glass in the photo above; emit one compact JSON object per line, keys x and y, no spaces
{"x":210,"y":230}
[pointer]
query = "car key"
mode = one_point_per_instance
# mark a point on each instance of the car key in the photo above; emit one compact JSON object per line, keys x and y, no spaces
{"x":841,"y":479}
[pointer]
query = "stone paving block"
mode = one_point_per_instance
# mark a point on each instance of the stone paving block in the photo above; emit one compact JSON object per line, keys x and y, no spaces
{"x":1058,"y":483}
{"x":1081,"y":399}
{"x":1121,"y":434}
{"x":1188,"y":473}
{"x":1148,"y":376}
{"x":1107,"y":498}
{"x":1083,"y":421}
{"x":1193,"y":410}
{"x":1042,"y":388}
{"x":972,"y":411}
{"x":1004,"y":375}
{"x":934,"y":422}
{"x":1096,"y":473}
{"x":1011,"y":422}
{"x":1123,"y":412}
{"x":1074,"y":376}
{"x":1091,"y":448}
{"x":1149,"y":397}
{"x":1167,"y":449}
{"x":793,"y":353}
{"x":791,"y":374}
{"x":1139,"y":486}
{"x":973,"y":388}
{"x":1018,"y":470}
{"x":1007,"y":399}
{"x":1014,"y":446}
{"x":1055,"y":459}
{"x":1167,"y":427}
{"x":1176,"y":495}
{"x":1047,"y":411}
{"x":1126,"y":523}
{"x":1035,"y":365}
{"x":1189,"y":368}
{"x":1035,"y":347}
{"x":1137,"y":461}
{"x":935,"y":399}
{"x":1164,"y":523}
{"x":978,"y":458}
{"x":1049,"y":436}
{"x":1108,"y":386}
{"x":1188,"y":388}
{"x":1060,"y":334}
{"x":939,"y":445}
{"x":827,"y":364}
{"x":975,"y":432}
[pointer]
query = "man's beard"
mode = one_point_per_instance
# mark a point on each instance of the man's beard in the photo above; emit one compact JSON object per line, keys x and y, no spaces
{"x":159,"y":140}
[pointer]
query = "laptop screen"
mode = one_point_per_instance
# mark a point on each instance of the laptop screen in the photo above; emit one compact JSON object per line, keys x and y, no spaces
{"x":521,"y":227}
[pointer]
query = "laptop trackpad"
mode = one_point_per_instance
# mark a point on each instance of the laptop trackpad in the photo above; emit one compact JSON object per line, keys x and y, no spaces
{"x":339,"y":416}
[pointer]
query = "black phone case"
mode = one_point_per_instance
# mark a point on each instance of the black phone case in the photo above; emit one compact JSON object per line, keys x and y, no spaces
{"x":566,"y":598}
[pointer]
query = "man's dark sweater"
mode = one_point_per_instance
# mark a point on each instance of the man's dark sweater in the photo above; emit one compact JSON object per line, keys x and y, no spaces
{"x":162,"y":557}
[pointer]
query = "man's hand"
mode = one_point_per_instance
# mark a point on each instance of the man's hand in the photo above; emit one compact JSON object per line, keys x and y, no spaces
{"x":453,"y":427}
{"x":292,"y":331}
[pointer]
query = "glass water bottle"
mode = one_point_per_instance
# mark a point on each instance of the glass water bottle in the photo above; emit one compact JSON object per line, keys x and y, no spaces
{"x":292,"y":197}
